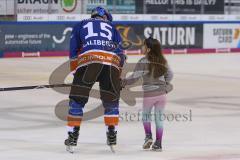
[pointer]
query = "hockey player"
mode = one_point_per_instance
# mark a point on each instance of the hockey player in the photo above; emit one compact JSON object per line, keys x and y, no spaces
{"x":156,"y":74}
{"x":96,"y":57}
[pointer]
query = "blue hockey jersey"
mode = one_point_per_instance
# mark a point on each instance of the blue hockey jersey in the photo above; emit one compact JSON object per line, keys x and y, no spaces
{"x":96,"y":41}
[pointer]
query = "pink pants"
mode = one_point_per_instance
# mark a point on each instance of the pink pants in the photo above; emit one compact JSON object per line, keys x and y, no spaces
{"x":158,"y":103}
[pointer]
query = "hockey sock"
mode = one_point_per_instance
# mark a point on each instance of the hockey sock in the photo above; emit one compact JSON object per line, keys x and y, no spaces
{"x":111,"y":113}
{"x":75,"y":115}
{"x":111,"y":120}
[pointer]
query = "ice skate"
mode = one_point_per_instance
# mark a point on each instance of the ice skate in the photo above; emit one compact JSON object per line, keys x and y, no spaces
{"x":157,"y":146}
{"x":148,"y":142}
{"x":111,"y":138}
{"x":71,"y":141}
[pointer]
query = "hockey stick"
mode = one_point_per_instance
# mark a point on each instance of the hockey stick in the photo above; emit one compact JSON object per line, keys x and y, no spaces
{"x":34,"y":87}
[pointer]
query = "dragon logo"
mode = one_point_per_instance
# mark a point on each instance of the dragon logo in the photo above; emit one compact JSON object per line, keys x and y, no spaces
{"x":237,"y":36}
{"x":127,"y":32}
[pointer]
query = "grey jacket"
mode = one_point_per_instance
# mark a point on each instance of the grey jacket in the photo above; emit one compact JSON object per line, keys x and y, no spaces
{"x":149,"y":82}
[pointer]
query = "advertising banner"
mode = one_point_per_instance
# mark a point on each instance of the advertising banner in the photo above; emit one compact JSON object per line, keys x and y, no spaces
{"x":184,"y":6}
{"x":114,"y":6}
{"x":34,"y":37}
{"x":221,"y":36}
{"x":3,"y":7}
{"x":214,"y":6}
{"x":55,"y":37}
{"x":48,"y":6}
{"x":6,"y":7}
{"x":171,"y":36}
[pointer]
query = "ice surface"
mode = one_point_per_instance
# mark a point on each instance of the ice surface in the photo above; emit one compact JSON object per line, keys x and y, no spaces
{"x":208,"y":85}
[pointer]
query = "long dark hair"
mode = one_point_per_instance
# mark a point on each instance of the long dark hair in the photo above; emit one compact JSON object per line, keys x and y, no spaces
{"x":157,"y":62}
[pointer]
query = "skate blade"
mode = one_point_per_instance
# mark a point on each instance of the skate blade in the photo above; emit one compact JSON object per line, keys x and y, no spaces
{"x":157,"y":150}
{"x":112,"y":148}
{"x":70,"y":149}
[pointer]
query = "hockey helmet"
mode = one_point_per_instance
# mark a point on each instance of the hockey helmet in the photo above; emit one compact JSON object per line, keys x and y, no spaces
{"x":100,"y":11}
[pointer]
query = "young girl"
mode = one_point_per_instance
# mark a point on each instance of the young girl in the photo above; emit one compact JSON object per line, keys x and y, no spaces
{"x":156,"y":74}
